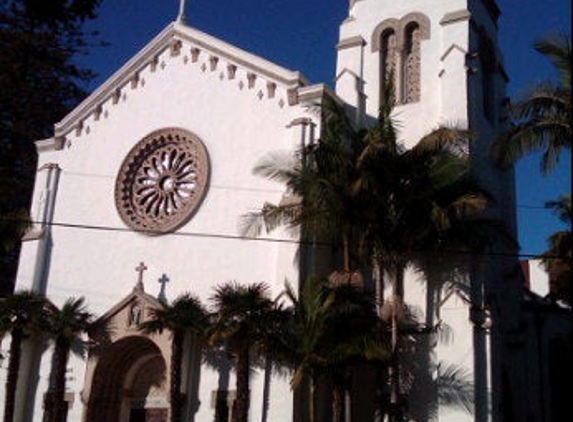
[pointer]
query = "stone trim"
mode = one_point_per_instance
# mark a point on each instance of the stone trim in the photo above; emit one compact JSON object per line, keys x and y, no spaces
{"x":162,"y":181}
{"x":34,"y":234}
{"x":452,"y":48}
{"x":356,"y":41}
{"x":171,"y":39}
{"x":399,"y":28}
{"x":454,"y":17}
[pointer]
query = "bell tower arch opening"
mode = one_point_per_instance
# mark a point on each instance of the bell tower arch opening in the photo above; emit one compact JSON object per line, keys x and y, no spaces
{"x":129,"y":383}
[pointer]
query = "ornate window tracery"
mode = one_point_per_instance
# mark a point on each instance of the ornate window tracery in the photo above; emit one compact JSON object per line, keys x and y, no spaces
{"x":398,"y":42}
{"x":388,"y":59}
{"x":411,"y":64}
{"x":162,"y":181}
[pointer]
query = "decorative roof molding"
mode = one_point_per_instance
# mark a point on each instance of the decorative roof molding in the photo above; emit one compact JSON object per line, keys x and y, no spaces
{"x":315,"y":93}
{"x":356,"y":41}
{"x":170,"y":39}
{"x":454,"y":17}
{"x":50,"y":144}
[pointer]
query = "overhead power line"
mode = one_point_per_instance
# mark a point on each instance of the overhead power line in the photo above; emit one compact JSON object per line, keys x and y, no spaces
{"x":264,"y":239}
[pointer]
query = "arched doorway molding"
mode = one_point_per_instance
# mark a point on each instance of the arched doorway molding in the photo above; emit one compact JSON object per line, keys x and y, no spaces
{"x":130,"y":368}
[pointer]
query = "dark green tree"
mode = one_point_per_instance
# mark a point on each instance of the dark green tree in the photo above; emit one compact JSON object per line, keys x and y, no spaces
{"x":40,"y":82}
{"x":22,"y":315}
{"x":185,"y":315}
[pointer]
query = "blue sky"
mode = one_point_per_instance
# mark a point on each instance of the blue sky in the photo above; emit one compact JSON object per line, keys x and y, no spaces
{"x":301,"y":35}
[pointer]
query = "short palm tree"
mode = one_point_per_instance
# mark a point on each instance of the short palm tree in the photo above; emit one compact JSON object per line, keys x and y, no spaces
{"x":186,"y":314}
{"x":243,"y":322}
{"x":66,"y":326}
{"x":543,"y":118}
{"x":334,"y":328}
{"x":21,"y":315}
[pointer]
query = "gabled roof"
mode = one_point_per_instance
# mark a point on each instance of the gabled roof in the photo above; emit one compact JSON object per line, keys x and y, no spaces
{"x":137,"y":295}
{"x":171,"y":38}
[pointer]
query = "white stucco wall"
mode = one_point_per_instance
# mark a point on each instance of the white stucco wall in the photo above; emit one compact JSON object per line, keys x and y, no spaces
{"x":94,"y":254}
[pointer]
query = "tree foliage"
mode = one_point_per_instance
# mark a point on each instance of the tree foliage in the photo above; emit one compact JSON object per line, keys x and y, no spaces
{"x":22,"y":315}
{"x":67,"y":326}
{"x":39,"y":83}
{"x":543,"y":117}
{"x":185,"y":315}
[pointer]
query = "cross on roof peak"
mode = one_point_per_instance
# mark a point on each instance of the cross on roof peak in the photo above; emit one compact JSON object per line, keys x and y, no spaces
{"x":141,"y":268}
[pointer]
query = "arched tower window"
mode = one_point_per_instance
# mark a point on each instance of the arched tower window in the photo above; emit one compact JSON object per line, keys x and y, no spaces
{"x":388,"y":59}
{"x":411,"y":64}
{"x":399,"y":44}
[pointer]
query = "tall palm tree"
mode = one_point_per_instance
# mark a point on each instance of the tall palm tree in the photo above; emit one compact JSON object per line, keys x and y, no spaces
{"x":186,"y":314}
{"x":557,"y":258}
{"x":424,"y":199}
{"x":244,"y":319}
{"x":66,"y":326}
{"x":21,"y":315}
{"x":543,"y":118}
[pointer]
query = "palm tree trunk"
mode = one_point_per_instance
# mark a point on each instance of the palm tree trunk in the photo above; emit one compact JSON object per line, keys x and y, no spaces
{"x":311,"y":399}
{"x":176,"y":398}
{"x":397,"y":299}
{"x":338,"y":403}
{"x":241,"y":413}
{"x":378,"y":271}
{"x":57,"y":406}
{"x":346,"y":251}
{"x":12,"y":378}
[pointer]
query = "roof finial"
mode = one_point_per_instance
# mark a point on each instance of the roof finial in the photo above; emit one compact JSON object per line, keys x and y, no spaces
{"x":181,"y":15}
{"x":140,"y":269}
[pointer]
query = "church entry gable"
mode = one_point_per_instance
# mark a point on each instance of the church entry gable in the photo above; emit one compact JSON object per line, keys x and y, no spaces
{"x":127,"y":377}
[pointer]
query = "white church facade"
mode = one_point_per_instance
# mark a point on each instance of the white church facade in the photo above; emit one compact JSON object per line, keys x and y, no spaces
{"x":140,"y":192}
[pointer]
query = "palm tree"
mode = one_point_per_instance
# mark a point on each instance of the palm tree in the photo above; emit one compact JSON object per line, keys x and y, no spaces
{"x":557,"y":259}
{"x":186,"y":314}
{"x":66,"y":326}
{"x":22,"y":315}
{"x":335,"y":327}
{"x":544,"y":116}
{"x":423,"y":200}
{"x":320,"y":197}
{"x":244,"y":320}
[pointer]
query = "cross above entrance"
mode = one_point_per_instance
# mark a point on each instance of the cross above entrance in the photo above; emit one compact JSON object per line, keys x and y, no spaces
{"x":163,"y":280}
{"x":140,"y":269}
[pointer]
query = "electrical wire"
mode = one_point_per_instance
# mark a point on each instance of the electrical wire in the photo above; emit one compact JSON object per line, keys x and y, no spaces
{"x":263,"y":239}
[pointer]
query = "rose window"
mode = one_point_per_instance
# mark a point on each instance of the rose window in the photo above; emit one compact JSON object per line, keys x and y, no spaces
{"x":162,"y":181}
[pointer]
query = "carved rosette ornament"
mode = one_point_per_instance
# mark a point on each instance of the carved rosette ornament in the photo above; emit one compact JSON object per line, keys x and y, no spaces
{"x":162,"y":181}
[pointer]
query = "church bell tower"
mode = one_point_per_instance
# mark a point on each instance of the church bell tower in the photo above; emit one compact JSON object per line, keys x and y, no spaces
{"x":446,"y":69}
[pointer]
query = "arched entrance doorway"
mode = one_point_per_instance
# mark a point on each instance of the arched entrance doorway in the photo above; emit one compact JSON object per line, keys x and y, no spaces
{"x":129,"y":383}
